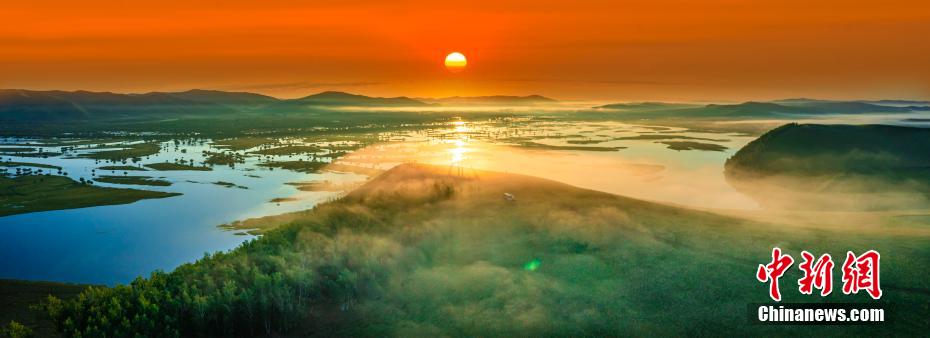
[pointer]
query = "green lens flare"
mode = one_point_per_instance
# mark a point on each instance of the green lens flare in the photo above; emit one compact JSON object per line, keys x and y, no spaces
{"x":532,"y":265}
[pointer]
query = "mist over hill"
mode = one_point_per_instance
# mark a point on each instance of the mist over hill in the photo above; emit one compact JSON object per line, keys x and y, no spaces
{"x":859,"y":166}
{"x":753,"y":109}
{"x":801,"y":149}
{"x":419,"y":252}
{"x":899,"y":102}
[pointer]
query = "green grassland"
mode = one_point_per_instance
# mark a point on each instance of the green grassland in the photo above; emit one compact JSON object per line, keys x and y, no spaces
{"x":71,"y":142}
{"x":585,"y":141}
{"x":288,"y":150}
{"x":692,"y":145}
{"x":16,"y":150}
{"x":243,"y":143}
{"x":416,"y":252}
{"x":300,"y":166}
{"x":43,"y":154}
{"x":133,"y":180}
{"x":138,"y":150}
{"x":166,"y":166}
{"x":26,"y":164}
{"x":31,"y":193}
{"x":121,"y":168}
{"x":223,"y":158}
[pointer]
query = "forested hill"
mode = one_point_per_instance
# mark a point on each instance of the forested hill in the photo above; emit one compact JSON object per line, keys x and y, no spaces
{"x":418,"y":252}
{"x":812,"y":149}
{"x":840,"y":167}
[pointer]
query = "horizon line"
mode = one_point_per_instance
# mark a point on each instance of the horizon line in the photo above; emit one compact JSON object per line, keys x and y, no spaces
{"x":921,"y":100}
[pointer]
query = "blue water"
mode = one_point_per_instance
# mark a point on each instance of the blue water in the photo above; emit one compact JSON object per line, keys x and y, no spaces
{"x":115,"y":244}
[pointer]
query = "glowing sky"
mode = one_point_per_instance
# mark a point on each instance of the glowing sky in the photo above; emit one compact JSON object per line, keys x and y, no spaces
{"x":618,"y":50}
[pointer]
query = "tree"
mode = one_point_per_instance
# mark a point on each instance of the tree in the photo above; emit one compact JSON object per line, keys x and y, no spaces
{"x":16,"y":330}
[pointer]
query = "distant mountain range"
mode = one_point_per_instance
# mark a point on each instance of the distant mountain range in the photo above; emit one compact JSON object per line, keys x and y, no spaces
{"x":879,"y":102}
{"x":216,"y":96}
{"x":18,"y":105}
{"x":32,"y":105}
{"x":754,"y":109}
{"x":29,"y":105}
{"x":332,"y":98}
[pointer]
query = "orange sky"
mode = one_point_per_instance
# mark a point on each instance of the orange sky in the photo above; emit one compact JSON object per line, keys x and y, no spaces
{"x":605,"y":50}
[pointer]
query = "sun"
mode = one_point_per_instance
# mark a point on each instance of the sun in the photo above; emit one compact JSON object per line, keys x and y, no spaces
{"x":456,"y":62}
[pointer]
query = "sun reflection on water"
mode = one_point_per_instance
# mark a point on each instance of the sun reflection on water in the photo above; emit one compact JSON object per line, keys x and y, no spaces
{"x":459,"y":149}
{"x":643,"y":168}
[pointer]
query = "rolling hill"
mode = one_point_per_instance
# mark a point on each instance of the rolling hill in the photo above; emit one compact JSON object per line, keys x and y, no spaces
{"x":419,"y":252}
{"x":812,"y":149}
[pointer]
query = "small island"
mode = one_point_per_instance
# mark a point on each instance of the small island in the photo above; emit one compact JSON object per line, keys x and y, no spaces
{"x":134,"y":180}
{"x":31,"y":193}
{"x":167,"y":166}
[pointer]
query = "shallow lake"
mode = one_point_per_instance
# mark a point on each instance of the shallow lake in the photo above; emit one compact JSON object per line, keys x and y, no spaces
{"x":110,"y":244}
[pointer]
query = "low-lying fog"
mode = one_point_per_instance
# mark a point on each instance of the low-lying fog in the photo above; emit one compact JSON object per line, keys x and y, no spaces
{"x":645,"y":170}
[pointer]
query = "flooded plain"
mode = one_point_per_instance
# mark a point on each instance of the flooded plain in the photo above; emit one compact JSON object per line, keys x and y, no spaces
{"x":116,"y":243}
